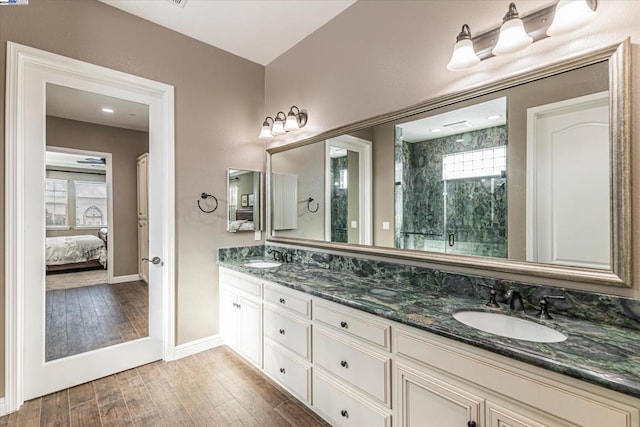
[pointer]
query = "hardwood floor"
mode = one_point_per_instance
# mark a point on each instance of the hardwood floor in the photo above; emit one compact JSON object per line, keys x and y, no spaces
{"x":91,"y":317}
{"x":212,"y":388}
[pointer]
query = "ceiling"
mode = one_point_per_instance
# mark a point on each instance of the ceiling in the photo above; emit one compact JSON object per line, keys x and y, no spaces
{"x":479,"y":116}
{"x":75,"y":104}
{"x":258,"y":30}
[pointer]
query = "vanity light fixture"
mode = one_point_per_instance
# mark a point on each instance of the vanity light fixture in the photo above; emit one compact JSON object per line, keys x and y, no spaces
{"x":513,"y":37}
{"x":571,"y":15}
{"x":278,"y":124}
{"x":282,"y":123}
{"x":464,"y":56}
{"x":294,"y":120}
{"x":265,"y":133}
{"x":516,"y":33}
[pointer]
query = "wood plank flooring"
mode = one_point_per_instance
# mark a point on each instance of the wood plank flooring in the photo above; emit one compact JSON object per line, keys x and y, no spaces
{"x":92,"y":317}
{"x":212,"y":388}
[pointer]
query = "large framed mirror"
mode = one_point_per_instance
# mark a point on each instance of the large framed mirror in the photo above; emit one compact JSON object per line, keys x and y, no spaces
{"x":527,"y":175}
{"x":244,"y":196}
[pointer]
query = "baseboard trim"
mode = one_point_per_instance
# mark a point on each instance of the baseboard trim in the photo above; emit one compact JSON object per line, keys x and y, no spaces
{"x":193,"y":347}
{"x":123,"y":279}
{"x":3,"y":407}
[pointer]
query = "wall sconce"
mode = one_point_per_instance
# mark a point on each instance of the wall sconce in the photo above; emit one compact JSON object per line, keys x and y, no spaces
{"x":282,"y":124}
{"x":517,"y":33}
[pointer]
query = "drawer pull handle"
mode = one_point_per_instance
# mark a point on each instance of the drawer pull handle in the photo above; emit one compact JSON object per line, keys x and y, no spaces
{"x":471,"y":424}
{"x":344,"y":413}
{"x":344,"y":364}
{"x":281,"y":331}
{"x":344,"y":324}
{"x":282,"y":371}
{"x":282,"y":301}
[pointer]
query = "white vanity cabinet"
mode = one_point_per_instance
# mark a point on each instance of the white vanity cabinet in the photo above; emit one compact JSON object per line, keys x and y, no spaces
{"x":357,"y":369}
{"x":287,"y":339}
{"x":437,"y":378}
{"x":352,"y":366}
{"x":241,"y":314}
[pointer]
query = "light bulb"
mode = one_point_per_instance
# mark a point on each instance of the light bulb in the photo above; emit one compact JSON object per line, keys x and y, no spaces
{"x":512,"y":37}
{"x":570,"y":15}
{"x":464,"y":56}
{"x":292,"y":121}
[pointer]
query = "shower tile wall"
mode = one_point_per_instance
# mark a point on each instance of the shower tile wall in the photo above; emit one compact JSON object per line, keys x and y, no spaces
{"x":475,"y":207}
{"x":339,"y":204}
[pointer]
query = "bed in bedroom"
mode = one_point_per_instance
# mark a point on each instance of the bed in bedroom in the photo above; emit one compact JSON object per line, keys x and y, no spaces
{"x":74,"y":252}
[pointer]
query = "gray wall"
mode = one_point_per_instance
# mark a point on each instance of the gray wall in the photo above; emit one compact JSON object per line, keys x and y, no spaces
{"x":125,"y":146}
{"x":209,"y":83}
{"x":397,"y":58}
{"x":307,"y":163}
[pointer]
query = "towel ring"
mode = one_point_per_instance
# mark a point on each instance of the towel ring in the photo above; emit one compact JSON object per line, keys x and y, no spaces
{"x":309,"y":200}
{"x":205,"y":196}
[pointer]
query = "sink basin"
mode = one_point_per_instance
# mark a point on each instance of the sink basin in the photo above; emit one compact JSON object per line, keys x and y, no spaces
{"x":508,"y":326}
{"x":262,"y":264}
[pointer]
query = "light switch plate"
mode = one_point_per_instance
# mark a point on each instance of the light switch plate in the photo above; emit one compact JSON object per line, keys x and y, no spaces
{"x":354,"y":224}
{"x":386,"y":225}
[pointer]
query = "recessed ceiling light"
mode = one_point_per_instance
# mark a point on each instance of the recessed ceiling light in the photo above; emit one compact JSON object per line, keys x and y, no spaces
{"x":494,"y":117}
{"x":435,"y":130}
{"x":107,"y":110}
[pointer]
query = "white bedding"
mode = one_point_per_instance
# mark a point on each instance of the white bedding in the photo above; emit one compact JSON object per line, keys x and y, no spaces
{"x":72,"y":249}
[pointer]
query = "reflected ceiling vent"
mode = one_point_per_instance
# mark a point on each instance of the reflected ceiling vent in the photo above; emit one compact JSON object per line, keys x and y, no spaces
{"x":457,"y":126}
{"x":180,"y":3}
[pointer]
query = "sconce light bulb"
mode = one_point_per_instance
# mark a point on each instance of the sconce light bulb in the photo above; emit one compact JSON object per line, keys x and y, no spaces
{"x":513,"y":36}
{"x":278,"y":127}
{"x":571,"y":15}
{"x":464,"y":56}
{"x":292,"y":121}
{"x":265,"y":132}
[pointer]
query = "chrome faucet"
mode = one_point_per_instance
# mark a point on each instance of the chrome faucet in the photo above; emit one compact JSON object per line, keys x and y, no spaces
{"x":515,"y":301}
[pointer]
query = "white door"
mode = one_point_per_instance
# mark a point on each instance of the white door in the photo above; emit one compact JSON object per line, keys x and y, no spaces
{"x":38,"y":376}
{"x":569,"y":220}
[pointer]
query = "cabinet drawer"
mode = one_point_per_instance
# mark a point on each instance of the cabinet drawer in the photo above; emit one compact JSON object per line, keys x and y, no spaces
{"x":296,"y":303}
{"x":342,"y":408}
{"x":241,"y":282}
{"x":287,"y":331}
{"x":359,"y":326}
{"x":287,"y":370}
{"x":365,"y":369}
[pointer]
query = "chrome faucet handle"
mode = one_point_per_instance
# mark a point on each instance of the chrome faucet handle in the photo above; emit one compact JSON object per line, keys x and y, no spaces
{"x":492,"y":296}
{"x":544,"y":306}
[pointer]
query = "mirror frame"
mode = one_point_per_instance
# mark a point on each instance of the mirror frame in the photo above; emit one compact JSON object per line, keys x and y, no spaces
{"x":620,"y":274}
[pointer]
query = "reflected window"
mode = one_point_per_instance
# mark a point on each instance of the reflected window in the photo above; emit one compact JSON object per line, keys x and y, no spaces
{"x":91,"y":204}
{"x":56,"y":202}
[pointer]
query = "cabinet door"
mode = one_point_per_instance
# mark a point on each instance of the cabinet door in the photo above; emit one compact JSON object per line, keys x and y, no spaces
{"x":425,"y":401}
{"x":143,"y":177}
{"x":229,"y":318}
{"x":143,"y":249}
{"x":249,"y":330}
{"x":499,"y":416}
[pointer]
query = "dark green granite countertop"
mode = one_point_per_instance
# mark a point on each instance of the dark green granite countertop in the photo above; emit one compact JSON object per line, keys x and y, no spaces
{"x":601,"y":354}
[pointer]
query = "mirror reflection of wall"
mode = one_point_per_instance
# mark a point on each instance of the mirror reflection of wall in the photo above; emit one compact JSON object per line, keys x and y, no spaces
{"x":244,"y":200}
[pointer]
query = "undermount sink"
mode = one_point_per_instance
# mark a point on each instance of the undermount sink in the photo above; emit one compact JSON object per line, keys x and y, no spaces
{"x":262,"y":264}
{"x":508,"y":326}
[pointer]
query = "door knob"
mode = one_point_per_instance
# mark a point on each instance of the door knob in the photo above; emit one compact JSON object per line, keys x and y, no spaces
{"x":155,"y":260}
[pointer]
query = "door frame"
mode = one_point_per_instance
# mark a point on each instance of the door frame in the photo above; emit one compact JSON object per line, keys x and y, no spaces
{"x":19,"y":58}
{"x":363,"y":148}
{"x":108,"y":178}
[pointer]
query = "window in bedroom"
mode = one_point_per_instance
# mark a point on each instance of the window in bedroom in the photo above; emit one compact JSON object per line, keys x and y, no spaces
{"x":91,"y":204}
{"x":56,"y":203}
